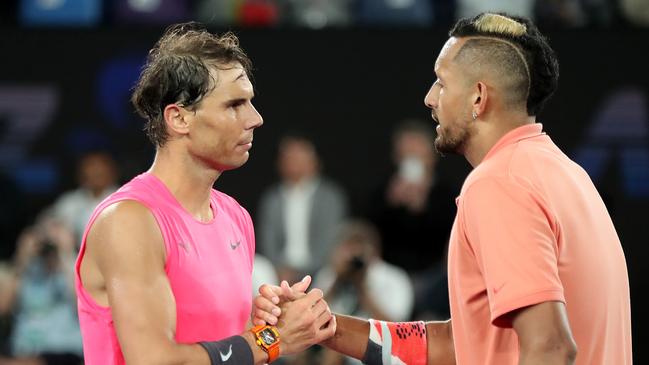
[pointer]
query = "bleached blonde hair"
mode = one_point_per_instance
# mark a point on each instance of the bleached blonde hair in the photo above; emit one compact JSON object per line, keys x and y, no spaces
{"x":500,"y":24}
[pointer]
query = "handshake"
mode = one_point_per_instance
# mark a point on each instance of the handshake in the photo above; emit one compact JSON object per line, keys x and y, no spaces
{"x":302,"y":318}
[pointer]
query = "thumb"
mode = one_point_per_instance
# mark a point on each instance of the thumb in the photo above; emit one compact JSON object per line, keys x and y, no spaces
{"x":302,"y":285}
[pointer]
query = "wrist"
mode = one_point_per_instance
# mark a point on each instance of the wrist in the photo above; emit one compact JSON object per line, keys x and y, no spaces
{"x":267,"y":339}
{"x":260,"y":356}
{"x":234,"y":349}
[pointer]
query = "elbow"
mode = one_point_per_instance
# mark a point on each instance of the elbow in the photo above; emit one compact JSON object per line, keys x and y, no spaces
{"x":554,"y":351}
{"x":571,"y":352}
{"x":567,"y":350}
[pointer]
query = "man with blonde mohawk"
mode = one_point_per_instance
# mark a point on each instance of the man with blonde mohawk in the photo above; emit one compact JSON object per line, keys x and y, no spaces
{"x":537,"y":274}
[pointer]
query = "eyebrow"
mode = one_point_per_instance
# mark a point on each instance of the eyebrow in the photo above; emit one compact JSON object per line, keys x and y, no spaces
{"x":234,"y":101}
{"x":240,"y":99}
{"x":241,"y":75}
{"x":438,"y":73}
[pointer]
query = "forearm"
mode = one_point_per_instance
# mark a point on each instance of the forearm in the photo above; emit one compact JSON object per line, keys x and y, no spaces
{"x":169,"y":354}
{"x":351,"y":336}
{"x":226,"y":351}
{"x":544,"y":335}
{"x":439,"y":339}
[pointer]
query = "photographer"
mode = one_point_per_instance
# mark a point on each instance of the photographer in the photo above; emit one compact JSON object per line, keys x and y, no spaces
{"x":358,"y":282}
{"x":41,"y":297}
{"x":413,"y":210}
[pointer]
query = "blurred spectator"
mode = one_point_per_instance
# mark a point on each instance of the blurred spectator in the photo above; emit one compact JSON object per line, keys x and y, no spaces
{"x":258,"y":13}
{"x":221,"y":13}
{"x":150,"y":11}
{"x":395,"y":12}
{"x":7,"y":292}
{"x":299,"y":216}
{"x":97,"y":177}
{"x":263,"y":272}
{"x":356,"y":279}
{"x":471,"y":8}
{"x":636,"y":11}
{"x":358,"y":282}
{"x":574,"y":13}
{"x":315,"y":14}
{"x":318,"y":14}
{"x":552,"y":13}
{"x":61,"y":13}
{"x":41,"y":296}
{"x":414,"y":212}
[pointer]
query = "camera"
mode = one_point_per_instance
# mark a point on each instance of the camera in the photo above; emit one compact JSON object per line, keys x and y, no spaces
{"x":357,"y":263}
{"x":47,"y":249}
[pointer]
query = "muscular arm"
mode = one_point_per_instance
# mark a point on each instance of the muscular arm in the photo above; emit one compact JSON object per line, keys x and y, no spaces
{"x":123,"y":268}
{"x":352,"y":336}
{"x":544,"y":335}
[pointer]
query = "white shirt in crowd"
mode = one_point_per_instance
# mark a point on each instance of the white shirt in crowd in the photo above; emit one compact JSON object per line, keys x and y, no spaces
{"x":297,"y":203}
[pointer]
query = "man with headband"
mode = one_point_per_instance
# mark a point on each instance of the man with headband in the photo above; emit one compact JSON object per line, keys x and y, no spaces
{"x":537,"y":274}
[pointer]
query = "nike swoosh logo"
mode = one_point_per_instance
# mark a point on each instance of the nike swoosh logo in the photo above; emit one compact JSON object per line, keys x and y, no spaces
{"x":235,"y":245}
{"x":226,"y":357}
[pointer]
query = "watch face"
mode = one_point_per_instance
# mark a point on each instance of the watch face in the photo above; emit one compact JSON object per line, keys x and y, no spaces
{"x":267,"y":336}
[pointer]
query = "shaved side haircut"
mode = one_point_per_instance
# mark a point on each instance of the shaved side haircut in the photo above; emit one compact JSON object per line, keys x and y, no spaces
{"x":514,"y":52}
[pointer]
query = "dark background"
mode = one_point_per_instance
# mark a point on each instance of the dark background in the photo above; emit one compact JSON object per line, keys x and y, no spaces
{"x":345,"y":88}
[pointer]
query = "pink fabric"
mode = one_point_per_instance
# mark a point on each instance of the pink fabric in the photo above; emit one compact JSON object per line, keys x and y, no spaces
{"x":209,"y":266}
{"x":532,"y":228}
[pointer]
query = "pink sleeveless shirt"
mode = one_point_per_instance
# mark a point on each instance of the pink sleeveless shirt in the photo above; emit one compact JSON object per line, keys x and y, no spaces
{"x":209,"y":267}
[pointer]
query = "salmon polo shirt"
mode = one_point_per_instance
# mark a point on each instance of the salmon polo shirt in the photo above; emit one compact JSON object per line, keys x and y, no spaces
{"x":532,"y":228}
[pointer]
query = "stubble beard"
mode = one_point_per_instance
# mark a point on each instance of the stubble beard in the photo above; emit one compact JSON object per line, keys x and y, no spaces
{"x":448,"y":142}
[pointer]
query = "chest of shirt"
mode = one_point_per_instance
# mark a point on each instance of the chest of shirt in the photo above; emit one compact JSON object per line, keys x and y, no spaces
{"x":209,"y":268}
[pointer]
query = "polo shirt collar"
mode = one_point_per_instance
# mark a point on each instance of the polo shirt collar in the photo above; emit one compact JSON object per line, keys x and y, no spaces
{"x":515,"y":135}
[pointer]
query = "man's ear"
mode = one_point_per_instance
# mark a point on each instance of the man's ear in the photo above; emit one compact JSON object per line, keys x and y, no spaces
{"x":480,"y":97}
{"x":175,"y":119}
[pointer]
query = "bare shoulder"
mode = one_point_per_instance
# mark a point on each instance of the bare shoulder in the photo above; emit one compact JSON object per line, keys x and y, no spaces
{"x":125,"y":231}
{"x":123,"y":241}
{"x":123,"y":212}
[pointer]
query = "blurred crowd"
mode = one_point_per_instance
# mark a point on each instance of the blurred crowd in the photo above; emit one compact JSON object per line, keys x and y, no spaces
{"x":318,"y":14}
{"x":38,"y":317}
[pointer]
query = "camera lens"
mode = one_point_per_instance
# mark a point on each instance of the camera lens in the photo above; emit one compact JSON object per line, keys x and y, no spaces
{"x":357,"y":263}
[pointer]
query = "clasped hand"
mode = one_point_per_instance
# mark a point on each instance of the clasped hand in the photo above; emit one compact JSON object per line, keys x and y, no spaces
{"x":302,"y":319}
